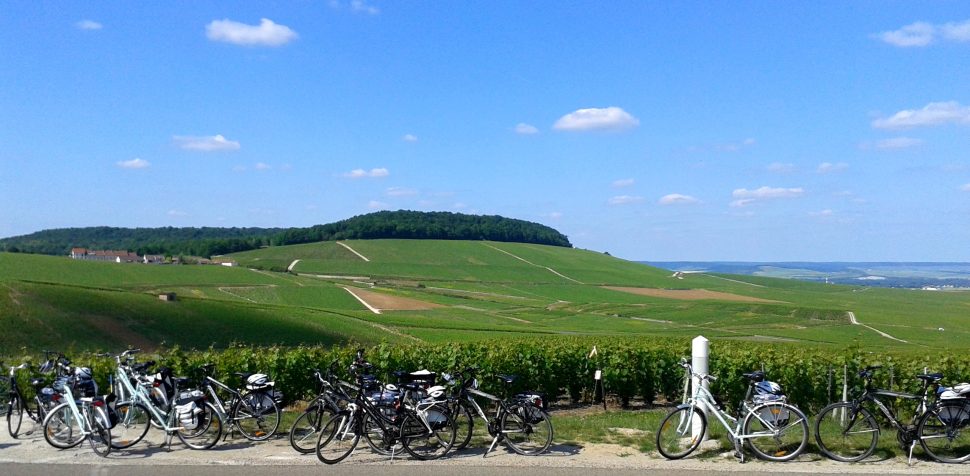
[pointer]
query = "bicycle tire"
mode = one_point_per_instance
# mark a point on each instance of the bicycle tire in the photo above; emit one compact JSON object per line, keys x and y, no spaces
{"x":61,"y":430}
{"x":376,"y":438}
{"x":100,"y":436}
{"x":944,"y":432}
{"x":784,"y":428}
{"x":303,"y":433}
{"x":464,"y":426}
{"x":337,"y":439}
{"x":846,"y":433}
{"x":527,"y":429}
{"x":207,"y":431}
{"x":256,"y":415}
{"x":15,"y":416}
{"x":677,"y":436}
{"x":424,"y":444}
{"x":133,"y":424}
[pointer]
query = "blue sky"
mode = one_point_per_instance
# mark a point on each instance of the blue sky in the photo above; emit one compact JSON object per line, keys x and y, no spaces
{"x":657,"y":131}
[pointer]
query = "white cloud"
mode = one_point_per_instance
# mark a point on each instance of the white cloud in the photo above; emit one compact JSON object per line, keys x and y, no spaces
{"x":781,"y":168}
{"x":177,"y":213}
{"x":956,"y":31}
{"x":609,"y":118}
{"x":401,"y":192}
{"x":735,"y":146}
{"x":915,"y":34}
{"x":744,"y":197}
{"x":376,"y":205}
{"x":409,"y":138}
{"x":372,"y":173}
{"x":829,"y":168}
{"x":933,"y":114}
{"x":206,"y":143}
{"x":897,"y":143}
{"x":356,"y":6}
{"x":262,"y":166}
{"x":554,"y":215}
{"x":623,"y":183}
{"x":677,"y":199}
{"x":822,"y":213}
{"x":625,"y":199}
{"x":965,"y":188}
{"x":135,"y":163}
{"x":525,"y":129}
{"x":88,"y":25}
{"x":266,"y":34}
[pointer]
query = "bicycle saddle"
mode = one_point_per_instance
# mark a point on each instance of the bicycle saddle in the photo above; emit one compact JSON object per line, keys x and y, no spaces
{"x":242,"y":375}
{"x":756,"y":376}
{"x":508,"y":379}
{"x":181,"y":380}
{"x":934,"y":377}
{"x":37,"y":382}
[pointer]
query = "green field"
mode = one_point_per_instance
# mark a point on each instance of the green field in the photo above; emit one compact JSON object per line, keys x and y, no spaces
{"x":479,"y":290}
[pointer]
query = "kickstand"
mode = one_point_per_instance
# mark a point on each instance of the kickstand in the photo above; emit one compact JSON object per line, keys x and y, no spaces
{"x":911,"y":446}
{"x":168,"y":440}
{"x":492,"y":446}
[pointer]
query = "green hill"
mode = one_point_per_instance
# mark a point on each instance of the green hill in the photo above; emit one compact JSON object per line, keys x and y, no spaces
{"x":442,"y":290}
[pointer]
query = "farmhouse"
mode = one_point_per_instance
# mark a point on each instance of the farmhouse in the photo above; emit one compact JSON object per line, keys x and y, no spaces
{"x":105,"y":255}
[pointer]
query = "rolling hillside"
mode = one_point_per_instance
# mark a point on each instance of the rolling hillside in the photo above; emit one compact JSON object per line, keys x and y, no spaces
{"x":408,"y":290}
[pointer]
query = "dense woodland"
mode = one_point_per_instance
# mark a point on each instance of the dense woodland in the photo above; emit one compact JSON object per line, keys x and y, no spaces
{"x":210,"y":241}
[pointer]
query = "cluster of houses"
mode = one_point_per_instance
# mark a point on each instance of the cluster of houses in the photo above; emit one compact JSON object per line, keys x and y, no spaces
{"x":117,"y":256}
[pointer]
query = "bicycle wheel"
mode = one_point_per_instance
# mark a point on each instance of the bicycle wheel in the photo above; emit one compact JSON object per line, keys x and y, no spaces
{"x":464,"y":425}
{"x":424,"y":443}
{"x":204,"y":431}
{"x":527,"y":429}
{"x":944,"y":432}
{"x":846,"y":433}
{"x":303,"y":433}
{"x":777,"y":431}
{"x":133,"y":423}
{"x":100,"y":436}
{"x":61,"y":429}
{"x":382,"y":442}
{"x":15,"y":415}
{"x":681,"y":432}
{"x":337,"y":439}
{"x":257,"y":416}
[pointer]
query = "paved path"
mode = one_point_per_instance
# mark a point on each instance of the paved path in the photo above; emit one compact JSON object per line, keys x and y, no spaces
{"x":854,"y":321}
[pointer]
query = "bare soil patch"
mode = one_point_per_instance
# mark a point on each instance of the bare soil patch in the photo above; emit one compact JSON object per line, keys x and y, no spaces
{"x":386,"y":302}
{"x":688,"y":294}
{"x":120,"y":331}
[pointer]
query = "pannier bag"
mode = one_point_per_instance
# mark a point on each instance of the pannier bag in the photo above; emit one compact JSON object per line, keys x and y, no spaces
{"x":46,"y":394}
{"x":164,"y":381}
{"x":258,"y":382}
{"x":960,"y":390}
{"x":188,"y":414}
{"x":775,"y":415}
{"x":189,"y":396}
{"x":955,"y":413}
{"x":534,"y":404}
{"x":261,"y":403}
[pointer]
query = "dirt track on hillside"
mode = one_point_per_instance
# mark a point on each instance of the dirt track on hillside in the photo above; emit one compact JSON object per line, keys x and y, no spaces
{"x":688,"y":294}
{"x":387,"y":302}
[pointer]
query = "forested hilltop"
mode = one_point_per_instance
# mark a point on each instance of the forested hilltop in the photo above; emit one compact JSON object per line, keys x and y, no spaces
{"x":209,"y":241}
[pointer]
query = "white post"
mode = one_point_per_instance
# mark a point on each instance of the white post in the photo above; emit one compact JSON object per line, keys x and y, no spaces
{"x":700,"y":349}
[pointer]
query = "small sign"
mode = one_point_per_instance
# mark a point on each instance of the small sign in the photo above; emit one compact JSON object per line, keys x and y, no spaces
{"x":598,"y":375}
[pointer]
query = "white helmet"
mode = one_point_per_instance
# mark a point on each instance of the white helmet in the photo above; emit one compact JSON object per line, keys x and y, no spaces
{"x":767,"y":388}
{"x":83,"y":373}
{"x":258,"y":381}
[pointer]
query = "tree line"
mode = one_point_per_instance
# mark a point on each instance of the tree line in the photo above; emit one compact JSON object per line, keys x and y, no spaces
{"x":211,"y":241}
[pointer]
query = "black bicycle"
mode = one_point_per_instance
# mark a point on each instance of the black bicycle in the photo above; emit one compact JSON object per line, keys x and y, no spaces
{"x":331,"y":399}
{"x":848,"y":431}
{"x":254,"y":411}
{"x":35,"y":408}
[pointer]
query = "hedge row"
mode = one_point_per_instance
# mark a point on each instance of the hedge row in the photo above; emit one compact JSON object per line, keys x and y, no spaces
{"x":633,"y":369}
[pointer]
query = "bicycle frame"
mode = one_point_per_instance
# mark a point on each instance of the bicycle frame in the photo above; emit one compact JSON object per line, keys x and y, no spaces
{"x":140,"y":395}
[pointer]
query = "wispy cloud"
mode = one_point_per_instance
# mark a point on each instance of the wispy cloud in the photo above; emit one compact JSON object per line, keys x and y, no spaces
{"x":921,"y":34}
{"x":737,"y":146}
{"x":677,"y":199}
{"x":525,"y":129}
{"x":830,"y":168}
{"x":744,"y":197}
{"x":553,"y":215}
{"x":135,"y":163}
{"x":622,"y":183}
{"x":895,"y":143}
{"x":372,"y":173}
{"x":606,"y":119}
{"x":965,"y":188}
{"x":625,"y":200}
{"x":267,"y":33}
{"x":781,"y":168}
{"x":400,"y":192}
{"x":88,"y":25}
{"x":822,"y":213}
{"x":376,"y":205}
{"x":205,"y":143}
{"x":177,"y":213}
{"x":262,"y":166}
{"x":409,"y":138}
{"x":933,"y":114}
{"x":356,"y":6}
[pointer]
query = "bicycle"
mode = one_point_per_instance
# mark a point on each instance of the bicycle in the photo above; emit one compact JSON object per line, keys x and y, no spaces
{"x":77,"y":419}
{"x":521,"y":421}
{"x":43,"y":400}
{"x":255,"y":413}
{"x":330,"y":400}
{"x":944,"y":430}
{"x":773,"y":430}
{"x":848,"y":432}
{"x":190,"y":417}
{"x":423,"y":430}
